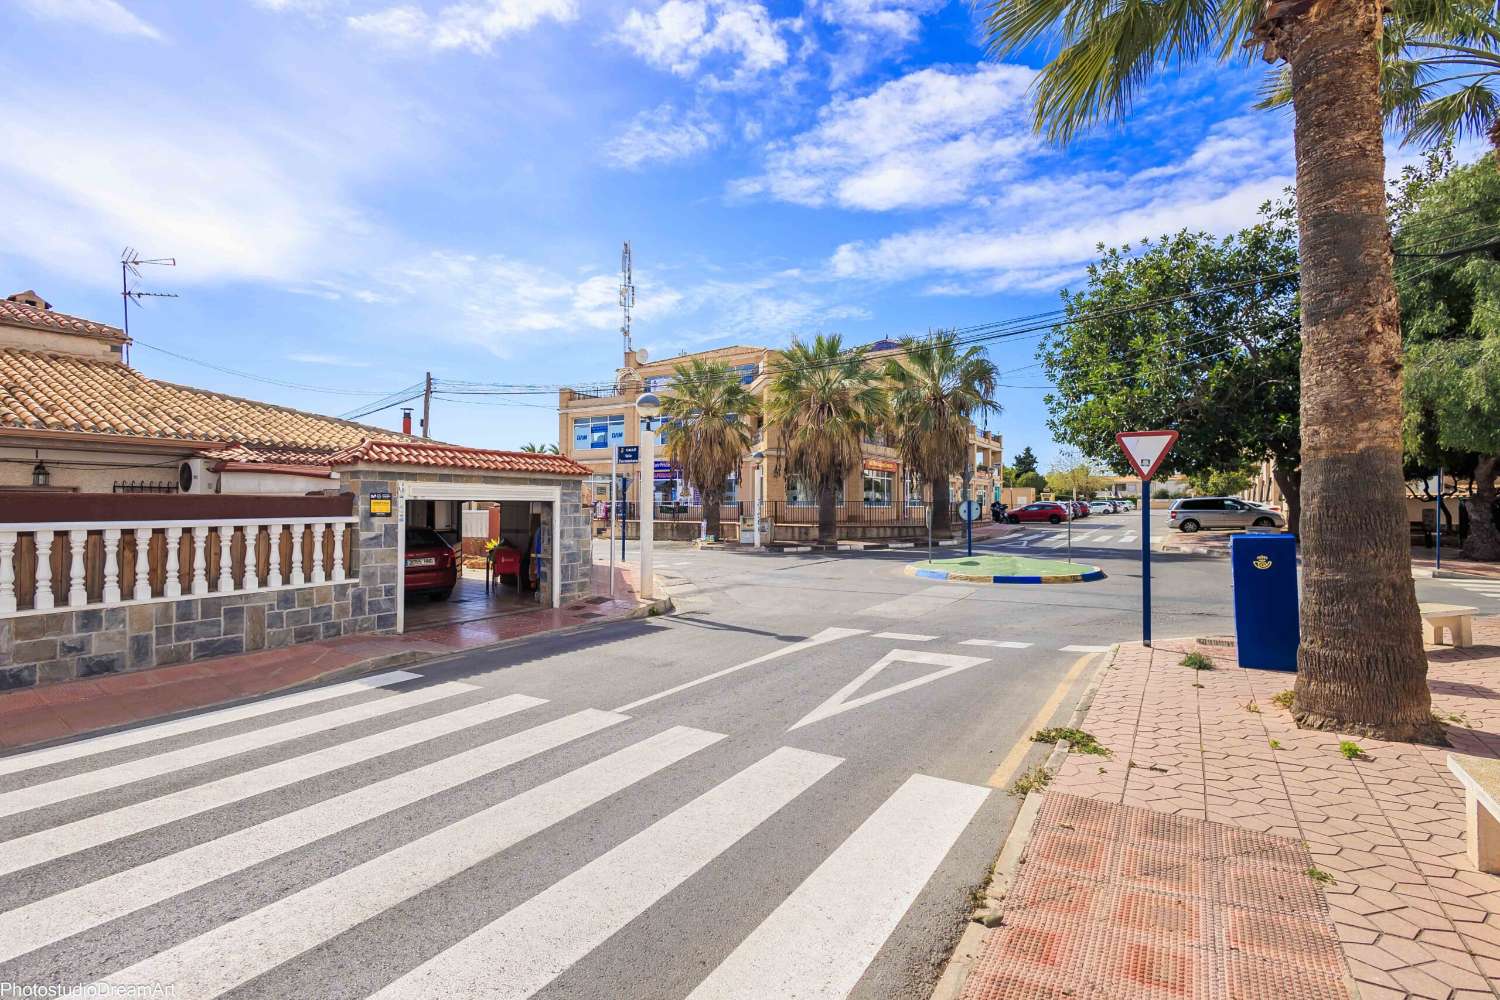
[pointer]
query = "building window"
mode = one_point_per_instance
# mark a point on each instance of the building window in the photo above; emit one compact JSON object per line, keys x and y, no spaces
{"x":913,"y":486}
{"x":746,"y":373}
{"x":879,"y":487}
{"x":732,"y":488}
{"x":800,"y":494}
{"x":598,"y":433}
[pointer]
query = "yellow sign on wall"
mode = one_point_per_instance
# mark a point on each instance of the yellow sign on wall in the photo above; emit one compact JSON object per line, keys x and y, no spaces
{"x":380,"y":505}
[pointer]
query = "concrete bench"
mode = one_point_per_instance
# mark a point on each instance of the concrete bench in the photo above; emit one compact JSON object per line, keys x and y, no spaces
{"x":1480,"y":777}
{"x":1457,"y":619}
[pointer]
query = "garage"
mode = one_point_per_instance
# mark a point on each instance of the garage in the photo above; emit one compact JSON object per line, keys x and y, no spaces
{"x":429,"y":514}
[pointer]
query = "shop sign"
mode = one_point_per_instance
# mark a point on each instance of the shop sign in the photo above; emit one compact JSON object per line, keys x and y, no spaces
{"x":664,"y":471}
{"x":882,"y":465}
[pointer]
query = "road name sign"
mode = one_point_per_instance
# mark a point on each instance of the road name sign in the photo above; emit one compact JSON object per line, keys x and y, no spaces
{"x":627,"y":453}
{"x":1146,"y":450}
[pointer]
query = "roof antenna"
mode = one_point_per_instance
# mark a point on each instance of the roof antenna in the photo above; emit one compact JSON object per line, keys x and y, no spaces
{"x":130,"y":262}
{"x":627,"y":297}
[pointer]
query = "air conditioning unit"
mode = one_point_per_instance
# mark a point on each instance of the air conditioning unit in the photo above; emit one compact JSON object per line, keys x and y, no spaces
{"x":196,"y":475}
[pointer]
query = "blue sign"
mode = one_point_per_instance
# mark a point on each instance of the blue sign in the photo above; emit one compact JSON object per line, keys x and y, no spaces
{"x":664,"y":471}
{"x":628,"y":453}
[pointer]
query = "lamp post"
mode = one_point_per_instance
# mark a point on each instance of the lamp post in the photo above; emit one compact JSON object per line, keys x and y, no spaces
{"x":647,"y":406}
{"x":757,"y":490}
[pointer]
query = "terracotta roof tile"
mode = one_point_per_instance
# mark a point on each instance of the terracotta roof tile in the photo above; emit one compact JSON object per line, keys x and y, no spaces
{"x":376,"y":452}
{"x":41,"y":390}
{"x":20,"y":314}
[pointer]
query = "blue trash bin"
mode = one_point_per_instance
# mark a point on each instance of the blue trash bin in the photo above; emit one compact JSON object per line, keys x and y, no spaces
{"x":1265,"y":600}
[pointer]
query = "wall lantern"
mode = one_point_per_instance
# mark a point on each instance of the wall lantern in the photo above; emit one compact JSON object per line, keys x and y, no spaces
{"x":39,"y":474}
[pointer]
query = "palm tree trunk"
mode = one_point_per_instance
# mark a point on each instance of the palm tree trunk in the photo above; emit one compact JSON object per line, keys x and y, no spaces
{"x":713,"y":512}
{"x":828,"y":526}
{"x":1484,"y":535}
{"x":1289,"y":482}
{"x":1361,"y":664}
{"x":942,"y":520}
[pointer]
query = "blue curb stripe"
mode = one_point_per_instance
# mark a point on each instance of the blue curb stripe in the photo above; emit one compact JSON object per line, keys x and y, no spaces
{"x":942,"y":574}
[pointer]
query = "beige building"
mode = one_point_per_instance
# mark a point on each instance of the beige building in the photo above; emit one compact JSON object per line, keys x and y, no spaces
{"x":591,"y":424}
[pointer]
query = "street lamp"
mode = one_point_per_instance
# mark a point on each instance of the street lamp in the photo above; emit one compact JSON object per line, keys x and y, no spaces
{"x":757,"y":491}
{"x":647,"y":407}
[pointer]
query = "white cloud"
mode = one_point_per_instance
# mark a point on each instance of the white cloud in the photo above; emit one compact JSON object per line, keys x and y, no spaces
{"x":928,"y":138}
{"x":682,"y":35}
{"x":869,"y":30}
{"x":1039,"y":233}
{"x":475,"y":25}
{"x":105,"y":15}
{"x":328,"y":360}
{"x":662,"y":135}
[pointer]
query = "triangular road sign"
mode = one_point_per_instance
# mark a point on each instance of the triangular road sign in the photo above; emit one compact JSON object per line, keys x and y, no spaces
{"x":841,"y":702}
{"x":1146,"y":450}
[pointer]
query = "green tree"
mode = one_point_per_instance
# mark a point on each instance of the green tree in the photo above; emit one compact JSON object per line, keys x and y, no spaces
{"x":1025,"y":462}
{"x":1361,"y":666}
{"x":1032,"y":480}
{"x":708,"y":430}
{"x":1450,"y":309}
{"x":824,"y":401}
{"x":1218,"y":363}
{"x":935,"y":391}
{"x":1220,"y":482}
{"x":1074,"y":478}
{"x":539,"y":449}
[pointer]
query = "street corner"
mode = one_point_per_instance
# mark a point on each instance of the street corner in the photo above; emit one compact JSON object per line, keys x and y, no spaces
{"x":1001,"y":569}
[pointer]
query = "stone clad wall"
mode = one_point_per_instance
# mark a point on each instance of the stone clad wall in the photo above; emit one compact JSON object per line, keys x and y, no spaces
{"x":88,"y":642}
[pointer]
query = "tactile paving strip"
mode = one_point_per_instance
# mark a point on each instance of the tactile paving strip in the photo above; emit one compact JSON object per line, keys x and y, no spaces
{"x":1120,"y":903}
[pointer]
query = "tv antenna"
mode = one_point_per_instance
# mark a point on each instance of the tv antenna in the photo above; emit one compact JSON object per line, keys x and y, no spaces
{"x":627,"y":294}
{"x":130,"y":264}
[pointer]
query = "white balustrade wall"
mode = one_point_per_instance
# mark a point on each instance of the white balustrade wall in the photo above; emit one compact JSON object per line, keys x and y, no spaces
{"x":52,"y":566}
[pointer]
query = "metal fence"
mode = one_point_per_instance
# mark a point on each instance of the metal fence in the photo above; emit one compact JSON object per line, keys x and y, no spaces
{"x":783,"y":512}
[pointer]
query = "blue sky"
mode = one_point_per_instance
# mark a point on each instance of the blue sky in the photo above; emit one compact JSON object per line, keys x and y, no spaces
{"x":357,"y":191}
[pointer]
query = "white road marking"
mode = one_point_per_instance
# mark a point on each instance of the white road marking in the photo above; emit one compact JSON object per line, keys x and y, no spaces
{"x":148,"y":734}
{"x":840,"y":702}
{"x":1085,"y":649}
{"x":904,"y":637}
{"x":236,"y":952}
{"x":75,"y":910}
{"x":527,"y":948}
{"x":73,"y":786}
{"x":825,"y":636}
{"x":820,"y":940}
{"x":1055,"y":542}
{"x":997,"y":643}
{"x":101,"y":828}
{"x":1128,"y":537}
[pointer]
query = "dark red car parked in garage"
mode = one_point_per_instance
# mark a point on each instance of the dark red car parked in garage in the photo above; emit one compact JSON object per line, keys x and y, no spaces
{"x":1042,"y":510}
{"x":431,"y":564}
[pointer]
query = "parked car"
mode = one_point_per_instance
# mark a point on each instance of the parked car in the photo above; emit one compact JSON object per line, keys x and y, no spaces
{"x":431,"y":564}
{"x":1043,"y":510}
{"x":1221,"y":512}
{"x":1080,"y":509}
{"x":1102,"y":507}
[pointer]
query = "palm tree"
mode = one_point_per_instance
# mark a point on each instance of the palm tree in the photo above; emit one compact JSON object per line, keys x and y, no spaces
{"x":824,"y":400}
{"x":936,"y":390}
{"x":1361,"y":664}
{"x":540,"y":449}
{"x":708,"y":433}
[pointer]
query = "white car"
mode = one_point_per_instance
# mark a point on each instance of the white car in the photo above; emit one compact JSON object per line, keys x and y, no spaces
{"x":1101,"y":507}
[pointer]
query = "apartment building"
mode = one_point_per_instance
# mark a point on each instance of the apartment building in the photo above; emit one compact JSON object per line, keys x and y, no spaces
{"x":592,"y":423}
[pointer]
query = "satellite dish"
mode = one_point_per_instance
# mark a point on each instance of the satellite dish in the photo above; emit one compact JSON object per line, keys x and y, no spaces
{"x":640,"y":354}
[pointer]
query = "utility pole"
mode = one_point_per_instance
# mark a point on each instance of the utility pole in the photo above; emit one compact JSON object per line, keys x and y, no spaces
{"x":427,"y":407}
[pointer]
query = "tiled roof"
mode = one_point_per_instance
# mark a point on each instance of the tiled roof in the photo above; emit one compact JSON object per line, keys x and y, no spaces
{"x":375,"y":452}
{"x":42,"y":390}
{"x":20,"y":314}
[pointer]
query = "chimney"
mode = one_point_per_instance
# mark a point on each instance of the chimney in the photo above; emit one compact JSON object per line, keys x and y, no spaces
{"x":32,"y":299}
{"x":406,"y":420}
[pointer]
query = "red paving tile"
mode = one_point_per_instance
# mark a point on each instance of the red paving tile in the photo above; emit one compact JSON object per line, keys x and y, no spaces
{"x":1123,"y":872}
{"x":57,"y":711}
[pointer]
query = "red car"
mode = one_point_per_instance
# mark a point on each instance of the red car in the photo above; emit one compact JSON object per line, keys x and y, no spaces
{"x":431,"y":564}
{"x":1042,"y":510}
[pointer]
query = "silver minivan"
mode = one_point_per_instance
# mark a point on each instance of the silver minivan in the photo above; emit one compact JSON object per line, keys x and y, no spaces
{"x":1221,"y":512}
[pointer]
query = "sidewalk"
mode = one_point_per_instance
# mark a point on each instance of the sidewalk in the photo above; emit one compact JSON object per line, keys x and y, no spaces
{"x":1219,"y":851}
{"x":57,"y":711}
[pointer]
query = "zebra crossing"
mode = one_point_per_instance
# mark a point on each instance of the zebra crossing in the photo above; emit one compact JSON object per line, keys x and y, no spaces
{"x":817,"y":942}
{"x":1082,"y":537}
{"x":1480,"y":588}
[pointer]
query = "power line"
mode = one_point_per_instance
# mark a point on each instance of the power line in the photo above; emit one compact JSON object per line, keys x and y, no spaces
{"x":258,"y":378}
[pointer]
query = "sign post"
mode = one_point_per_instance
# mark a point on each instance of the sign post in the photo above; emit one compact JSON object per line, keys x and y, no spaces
{"x":614,"y":489}
{"x":1145,"y":451}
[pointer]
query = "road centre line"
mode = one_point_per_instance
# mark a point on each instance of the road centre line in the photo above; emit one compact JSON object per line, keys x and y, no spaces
{"x":825,"y":636}
{"x":1003,"y":773}
{"x":996,"y":643}
{"x":903,"y":637}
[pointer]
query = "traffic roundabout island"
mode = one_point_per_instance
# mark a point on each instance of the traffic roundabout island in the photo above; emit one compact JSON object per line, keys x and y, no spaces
{"x":1004,"y":569}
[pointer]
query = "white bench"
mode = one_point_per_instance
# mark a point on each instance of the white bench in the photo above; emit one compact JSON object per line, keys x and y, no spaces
{"x":1480,"y":777}
{"x":1457,"y":619}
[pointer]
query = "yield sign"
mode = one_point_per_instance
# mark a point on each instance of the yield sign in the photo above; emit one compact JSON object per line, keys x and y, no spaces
{"x":841,"y":701}
{"x":1146,"y":450}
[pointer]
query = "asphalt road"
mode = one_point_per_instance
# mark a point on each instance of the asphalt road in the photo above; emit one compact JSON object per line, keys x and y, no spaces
{"x":787,"y":789}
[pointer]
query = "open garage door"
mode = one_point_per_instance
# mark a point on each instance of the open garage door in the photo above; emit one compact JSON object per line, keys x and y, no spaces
{"x":542,"y":519}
